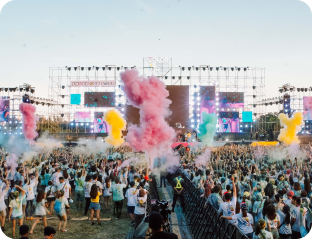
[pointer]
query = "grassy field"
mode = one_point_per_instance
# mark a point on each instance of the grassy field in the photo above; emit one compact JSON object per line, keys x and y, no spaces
{"x":113,"y":229}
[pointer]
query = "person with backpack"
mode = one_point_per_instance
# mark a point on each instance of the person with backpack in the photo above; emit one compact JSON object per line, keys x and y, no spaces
{"x":59,"y":209}
{"x":95,"y":203}
{"x":178,"y":191}
{"x":79,"y":191}
{"x":41,"y":210}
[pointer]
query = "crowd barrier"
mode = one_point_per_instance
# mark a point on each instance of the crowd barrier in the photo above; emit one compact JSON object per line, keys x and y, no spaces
{"x":205,"y":223}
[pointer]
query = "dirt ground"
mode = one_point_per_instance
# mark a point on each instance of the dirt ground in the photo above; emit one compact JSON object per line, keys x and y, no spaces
{"x":113,"y":229}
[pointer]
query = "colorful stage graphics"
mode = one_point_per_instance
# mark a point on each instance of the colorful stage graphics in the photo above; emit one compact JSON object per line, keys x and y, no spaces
{"x":100,"y":125}
{"x":229,"y":122}
{"x":307,"y":108}
{"x":75,"y":99}
{"x":99,"y":99}
{"x":82,"y":117}
{"x":207,"y":94}
{"x":4,"y":108}
{"x":247,"y":116}
{"x":231,"y":99}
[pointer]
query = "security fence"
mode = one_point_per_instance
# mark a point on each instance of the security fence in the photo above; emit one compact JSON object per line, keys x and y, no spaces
{"x":205,"y":222}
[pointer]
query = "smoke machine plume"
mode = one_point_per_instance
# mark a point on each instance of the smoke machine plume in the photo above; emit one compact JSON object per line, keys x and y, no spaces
{"x":207,"y":128}
{"x":117,"y":124}
{"x":291,"y":127}
{"x":29,"y":120}
{"x":150,"y":96}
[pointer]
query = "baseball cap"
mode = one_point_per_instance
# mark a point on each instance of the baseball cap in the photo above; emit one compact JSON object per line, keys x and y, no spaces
{"x":244,"y":206}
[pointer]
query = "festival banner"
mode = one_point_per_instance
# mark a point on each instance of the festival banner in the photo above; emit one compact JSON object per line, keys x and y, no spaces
{"x":103,"y":83}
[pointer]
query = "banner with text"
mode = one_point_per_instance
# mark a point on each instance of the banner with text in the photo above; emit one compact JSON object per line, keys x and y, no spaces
{"x":103,"y":83}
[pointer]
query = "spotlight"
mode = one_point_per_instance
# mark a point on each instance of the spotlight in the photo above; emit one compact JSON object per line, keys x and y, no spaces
{"x":305,"y":89}
{"x":118,"y":68}
{"x":103,"y":68}
{"x":109,"y":68}
{"x":217,"y":68}
{"x":280,"y":90}
{"x":189,"y":68}
{"x":238,"y":69}
{"x":62,"y":106}
{"x":204,"y":68}
{"x":232,"y":68}
{"x":97,"y":68}
{"x":75,"y":68}
{"x":82,"y":68}
{"x":195,"y":86}
{"x":6,"y":89}
{"x":254,"y":87}
{"x":62,"y":115}
{"x":183,"y":68}
{"x":224,"y":69}
{"x":302,"y":89}
{"x":196,"y":68}
{"x":180,"y":77}
{"x":211,"y":68}
{"x":245,"y":69}
{"x":298,"y":89}
{"x":173,"y":77}
{"x":69,"y":68}
{"x":89,"y":68}
{"x":63,"y":87}
{"x":166,"y":77}
{"x":188,"y":77}
{"x":254,"y":106}
{"x":254,"y":96}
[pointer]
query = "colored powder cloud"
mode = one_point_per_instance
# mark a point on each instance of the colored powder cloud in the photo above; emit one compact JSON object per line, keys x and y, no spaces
{"x":290,"y":127}
{"x":207,"y":128}
{"x":117,"y":124}
{"x":150,"y":96}
{"x":29,"y":120}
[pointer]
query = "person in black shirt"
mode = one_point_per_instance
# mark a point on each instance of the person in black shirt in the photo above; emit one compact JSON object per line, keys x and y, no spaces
{"x":155,"y":223}
{"x":24,"y":230}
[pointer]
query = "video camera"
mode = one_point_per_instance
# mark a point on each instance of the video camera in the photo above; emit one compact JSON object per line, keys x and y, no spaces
{"x":164,"y":209}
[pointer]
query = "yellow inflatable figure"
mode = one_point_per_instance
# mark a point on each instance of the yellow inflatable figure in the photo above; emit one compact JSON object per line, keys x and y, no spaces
{"x":117,"y":124}
{"x":290,"y":127}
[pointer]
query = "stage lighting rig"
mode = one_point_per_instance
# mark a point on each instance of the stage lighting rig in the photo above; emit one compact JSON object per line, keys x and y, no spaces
{"x":26,"y":99}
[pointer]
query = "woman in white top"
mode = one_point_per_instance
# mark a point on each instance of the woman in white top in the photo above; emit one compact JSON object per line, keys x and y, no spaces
{"x":107,"y":192}
{"x":260,"y":232}
{"x":273,"y":220}
{"x":140,"y":207}
{"x":41,"y":210}
{"x":285,"y":231}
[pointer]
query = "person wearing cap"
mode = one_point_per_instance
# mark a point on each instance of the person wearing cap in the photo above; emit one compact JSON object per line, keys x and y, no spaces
{"x":16,"y":208}
{"x":155,"y":223}
{"x":227,"y":208}
{"x":290,"y":194}
{"x":24,"y":231}
{"x":244,"y":221}
{"x":49,"y":232}
{"x":260,"y":232}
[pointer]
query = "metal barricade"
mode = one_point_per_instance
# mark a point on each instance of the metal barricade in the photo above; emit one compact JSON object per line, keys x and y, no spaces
{"x":205,"y":222}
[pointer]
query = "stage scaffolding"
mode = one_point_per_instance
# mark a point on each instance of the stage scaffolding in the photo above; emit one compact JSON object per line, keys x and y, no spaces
{"x":250,"y":80}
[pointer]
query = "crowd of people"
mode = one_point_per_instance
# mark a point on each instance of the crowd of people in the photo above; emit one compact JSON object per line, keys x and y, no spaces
{"x":262,"y":196}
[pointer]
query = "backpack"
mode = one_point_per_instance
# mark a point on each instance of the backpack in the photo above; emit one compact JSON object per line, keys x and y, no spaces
{"x":57,"y":207}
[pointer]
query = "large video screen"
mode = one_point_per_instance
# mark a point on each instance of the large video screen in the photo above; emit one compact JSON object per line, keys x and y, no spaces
{"x":208,"y":94}
{"x":247,"y":116}
{"x":100,"y":125}
{"x":4,"y":108}
{"x":307,"y":108}
{"x":228,"y":125}
{"x":82,"y":117}
{"x":231,"y":99}
{"x":99,"y":99}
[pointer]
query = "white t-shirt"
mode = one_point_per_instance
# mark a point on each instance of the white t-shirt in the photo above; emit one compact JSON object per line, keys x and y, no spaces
{"x":30,"y":193}
{"x":87,"y":188}
{"x":273,"y":223}
{"x":17,"y":206}
{"x":140,"y":204}
{"x":130,"y":195}
{"x":66,"y":190}
{"x":228,"y":208}
{"x":107,"y":191}
{"x":55,"y":178}
{"x":64,"y":202}
{"x":295,"y":213}
{"x":47,"y":189}
{"x":40,"y":209}
{"x":244,"y":223}
{"x":98,"y":184}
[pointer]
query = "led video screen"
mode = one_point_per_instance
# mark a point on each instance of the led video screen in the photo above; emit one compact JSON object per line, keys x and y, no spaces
{"x":99,"y":99}
{"x":207,"y":95}
{"x":82,"y":117}
{"x":247,"y":116}
{"x":231,"y":99}
{"x":4,"y":108}
{"x":307,"y":108}
{"x":75,"y":99}
{"x":100,"y":125}
{"x":228,"y":125}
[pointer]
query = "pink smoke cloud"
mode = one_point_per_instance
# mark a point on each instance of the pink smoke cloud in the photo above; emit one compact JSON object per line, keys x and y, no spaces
{"x":29,"y":120}
{"x":150,"y":96}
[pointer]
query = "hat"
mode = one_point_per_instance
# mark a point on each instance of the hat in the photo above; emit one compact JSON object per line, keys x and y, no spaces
{"x":290,"y":193}
{"x":244,"y":206}
{"x":247,"y":194}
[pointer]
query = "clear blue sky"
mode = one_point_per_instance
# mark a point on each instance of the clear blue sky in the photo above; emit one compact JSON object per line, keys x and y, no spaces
{"x":275,"y":34}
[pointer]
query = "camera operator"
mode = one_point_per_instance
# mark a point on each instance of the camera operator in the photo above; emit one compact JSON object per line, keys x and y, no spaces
{"x":155,"y":223}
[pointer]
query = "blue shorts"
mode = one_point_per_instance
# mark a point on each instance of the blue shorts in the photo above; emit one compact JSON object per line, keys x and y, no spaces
{"x":130,"y":209}
{"x":79,"y":196}
{"x":17,"y":218}
{"x":95,"y":206}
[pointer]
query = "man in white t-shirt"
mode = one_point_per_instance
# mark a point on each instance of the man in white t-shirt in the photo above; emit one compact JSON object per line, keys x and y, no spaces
{"x":30,"y":195}
{"x":98,"y":184}
{"x":56,"y":176}
{"x":130,"y":195}
{"x":227,"y":208}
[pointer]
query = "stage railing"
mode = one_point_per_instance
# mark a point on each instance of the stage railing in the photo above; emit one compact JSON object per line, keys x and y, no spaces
{"x":205,"y":223}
